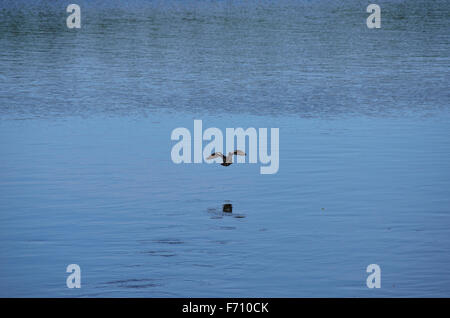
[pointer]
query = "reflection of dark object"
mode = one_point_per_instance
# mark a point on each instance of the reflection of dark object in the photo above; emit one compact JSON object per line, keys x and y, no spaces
{"x":227,"y":208}
{"x":228,"y":160}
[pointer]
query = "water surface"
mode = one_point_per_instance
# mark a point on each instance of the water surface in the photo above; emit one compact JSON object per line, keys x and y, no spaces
{"x":86,"y":175}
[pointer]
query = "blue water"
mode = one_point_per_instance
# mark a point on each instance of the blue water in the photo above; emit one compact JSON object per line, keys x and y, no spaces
{"x":86,"y":175}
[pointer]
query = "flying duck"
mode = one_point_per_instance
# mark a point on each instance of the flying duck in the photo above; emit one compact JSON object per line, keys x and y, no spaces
{"x":228,"y":160}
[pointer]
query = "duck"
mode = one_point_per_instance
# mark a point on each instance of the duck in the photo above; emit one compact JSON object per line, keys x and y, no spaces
{"x":228,"y":160}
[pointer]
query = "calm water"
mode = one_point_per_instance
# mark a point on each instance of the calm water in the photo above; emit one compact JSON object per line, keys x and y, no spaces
{"x":86,"y":175}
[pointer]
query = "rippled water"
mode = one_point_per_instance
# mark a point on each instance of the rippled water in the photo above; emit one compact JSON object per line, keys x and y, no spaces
{"x":86,"y":175}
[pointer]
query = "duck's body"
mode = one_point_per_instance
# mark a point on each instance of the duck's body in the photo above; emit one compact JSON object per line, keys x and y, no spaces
{"x":227,"y":160}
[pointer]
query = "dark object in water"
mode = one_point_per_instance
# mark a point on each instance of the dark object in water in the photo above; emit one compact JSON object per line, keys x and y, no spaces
{"x":228,"y":160}
{"x":227,"y":208}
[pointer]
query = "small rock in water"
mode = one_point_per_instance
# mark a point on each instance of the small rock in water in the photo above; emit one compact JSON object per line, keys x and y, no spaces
{"x":227,"y":208}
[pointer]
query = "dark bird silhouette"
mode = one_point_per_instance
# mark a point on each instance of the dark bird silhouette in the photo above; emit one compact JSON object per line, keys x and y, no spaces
{"x":228,"y":160}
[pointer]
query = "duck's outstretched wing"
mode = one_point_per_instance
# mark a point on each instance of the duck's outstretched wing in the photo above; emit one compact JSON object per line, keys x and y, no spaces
{"x":229,"y":158}
{"x":216,"y":155}
{"x":239,"y":153}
